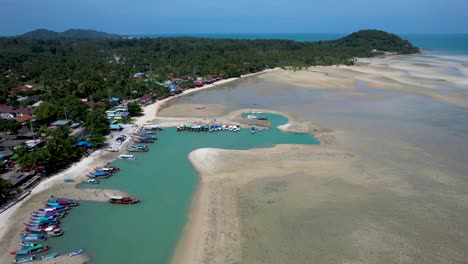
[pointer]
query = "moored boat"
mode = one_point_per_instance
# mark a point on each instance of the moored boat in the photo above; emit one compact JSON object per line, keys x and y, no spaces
{"x":76,"y":252}
{"x":126,"y":157}
{"x":110,"y":169}
{"x":252,"y":117}
{"x":91,"y":181}
{"x":253,"y":130}
{"x":28,"y":237}
{"x":30,"y":250}
{"x":28,"y":244}
{"x":99,"y":174}
{"x":24,"y":259}
{"x":123,"y":200}
{"x":50,"y":256}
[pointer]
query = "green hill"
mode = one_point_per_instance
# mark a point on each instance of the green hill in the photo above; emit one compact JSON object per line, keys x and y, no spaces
{"x":70,"y":33}
{"x":377,"y":40}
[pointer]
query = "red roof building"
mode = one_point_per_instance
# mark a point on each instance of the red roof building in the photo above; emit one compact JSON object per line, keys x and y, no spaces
{"x":146,"y":98}
{"x":26,"y":87}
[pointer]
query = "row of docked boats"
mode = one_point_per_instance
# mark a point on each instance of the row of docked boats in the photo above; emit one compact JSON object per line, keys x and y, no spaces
{"x":43,"y":224}
{"x":206,"y":128}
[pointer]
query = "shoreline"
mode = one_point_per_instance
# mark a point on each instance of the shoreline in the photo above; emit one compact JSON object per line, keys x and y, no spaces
{"x":54,"y":183}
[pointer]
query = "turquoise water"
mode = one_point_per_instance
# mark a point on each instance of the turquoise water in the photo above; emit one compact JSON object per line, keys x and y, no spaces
{"x":164,"y":180}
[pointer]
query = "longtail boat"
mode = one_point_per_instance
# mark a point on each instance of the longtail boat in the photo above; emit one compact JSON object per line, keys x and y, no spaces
{"x":30,"y":250}
{"x":24,"y":260}
{"x":123,"y":200}
{"x":50,"y":256}
{"x":76,"y":252}
{"x":28,"y":237}
{"x":28,"y":244}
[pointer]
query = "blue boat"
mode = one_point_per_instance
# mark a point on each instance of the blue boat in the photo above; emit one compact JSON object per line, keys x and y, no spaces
{"x":253,"y":130}
{"x":76,"y":252}
{"x":56,"y":205}
{"x":50,"y":256}
{"x":28,"y":244}
{"x":33,"y":237}
{"x":24,"y":260}
{"x":99,"y":174}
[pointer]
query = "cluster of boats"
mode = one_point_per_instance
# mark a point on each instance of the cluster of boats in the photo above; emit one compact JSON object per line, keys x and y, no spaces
{"x":44,"y":223}
{"x":100,"y":173}
{"x":206,"y":128}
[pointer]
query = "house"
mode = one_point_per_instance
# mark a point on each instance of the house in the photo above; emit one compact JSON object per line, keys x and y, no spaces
{"x":24,"y":133}
{"x":23,"y":88}
{"x":145,"y":99}
{"x":10,"y":112}
{"x":61,"y":123}
{"x":24,"y":118}
{"x":117,"y":112}
{"x":27,"y":100}
{"x":198,"y":83}
{"x":37,"y":104}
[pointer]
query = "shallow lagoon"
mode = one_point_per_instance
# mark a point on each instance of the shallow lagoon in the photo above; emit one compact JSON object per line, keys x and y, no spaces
{"x":164,"y":180}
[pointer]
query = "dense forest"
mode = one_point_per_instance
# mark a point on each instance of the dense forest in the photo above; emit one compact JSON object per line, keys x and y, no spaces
{"x":99,"y":67}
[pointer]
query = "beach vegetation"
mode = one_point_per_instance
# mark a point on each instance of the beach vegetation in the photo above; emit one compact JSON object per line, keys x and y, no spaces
{"x":134,"y":109}
{"x":5,"y":190}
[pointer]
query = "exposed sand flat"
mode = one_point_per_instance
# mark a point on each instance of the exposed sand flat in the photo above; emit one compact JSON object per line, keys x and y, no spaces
{"x":192,"y":110}
{"x":439,"y":79}
{"x":317,"y":204}
{"x":394,"y":202}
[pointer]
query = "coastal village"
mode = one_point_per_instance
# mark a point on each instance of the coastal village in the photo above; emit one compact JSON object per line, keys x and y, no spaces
{"x":44,"y":223}
{"x":13,"y":142}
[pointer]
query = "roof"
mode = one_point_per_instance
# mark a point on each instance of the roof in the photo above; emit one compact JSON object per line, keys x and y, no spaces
{"x":22,"y":110}
{"x":6,"y":109}
{"x":37,"y":104}
{"x":25,"y":131}
{"x":60,"y":123}
{"x":22,"y":88}
{"x":23,"y":118}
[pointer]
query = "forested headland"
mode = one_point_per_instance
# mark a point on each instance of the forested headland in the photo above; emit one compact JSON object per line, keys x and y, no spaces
{"x":69,"y":70}
{"x":97,"y":67}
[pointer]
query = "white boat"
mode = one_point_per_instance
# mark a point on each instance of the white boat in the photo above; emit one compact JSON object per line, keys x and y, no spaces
{"x":251,"y":117}
{"x":236,"y":128}
{"x":126,"y":157}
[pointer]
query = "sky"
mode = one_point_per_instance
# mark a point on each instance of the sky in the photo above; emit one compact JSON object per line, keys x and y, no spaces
{"x":234,"y":16}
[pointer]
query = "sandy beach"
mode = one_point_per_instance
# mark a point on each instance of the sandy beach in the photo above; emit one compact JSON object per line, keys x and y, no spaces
{"x":361,"y":196}
{"x":54,"y":185}
{"x":355,"y":198}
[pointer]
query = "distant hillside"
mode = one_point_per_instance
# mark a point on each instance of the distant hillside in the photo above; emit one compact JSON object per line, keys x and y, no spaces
{"x":71,"y":33}
{"x":377,"y":40}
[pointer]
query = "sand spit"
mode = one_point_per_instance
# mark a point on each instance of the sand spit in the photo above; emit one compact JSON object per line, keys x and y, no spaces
{"x":443,"y":80}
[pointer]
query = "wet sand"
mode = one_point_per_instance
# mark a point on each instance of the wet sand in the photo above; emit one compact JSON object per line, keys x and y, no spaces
{"x":380,"y":188}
